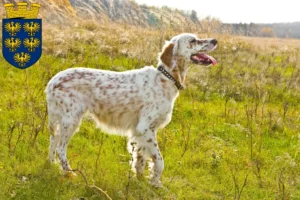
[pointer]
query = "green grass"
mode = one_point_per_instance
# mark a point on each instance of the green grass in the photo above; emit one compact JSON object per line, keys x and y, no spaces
{"x":234,"y":132}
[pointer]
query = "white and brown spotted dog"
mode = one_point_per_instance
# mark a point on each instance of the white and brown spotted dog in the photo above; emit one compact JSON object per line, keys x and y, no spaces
{"x":133,"y":103}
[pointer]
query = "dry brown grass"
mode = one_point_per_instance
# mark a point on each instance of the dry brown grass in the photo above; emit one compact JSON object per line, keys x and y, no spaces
{"x":139,"y":43}
{"x":265,"y":43}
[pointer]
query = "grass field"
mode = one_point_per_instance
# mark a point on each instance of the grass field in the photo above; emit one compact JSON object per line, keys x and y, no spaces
{"x":234,"y":133}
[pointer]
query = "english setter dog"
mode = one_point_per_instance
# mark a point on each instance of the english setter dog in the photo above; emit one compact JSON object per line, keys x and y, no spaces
{"x":133,"y":103}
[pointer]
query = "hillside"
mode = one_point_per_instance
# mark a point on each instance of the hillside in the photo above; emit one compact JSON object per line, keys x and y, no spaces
{"x":128,"y":12}
{"x":105,"y":11}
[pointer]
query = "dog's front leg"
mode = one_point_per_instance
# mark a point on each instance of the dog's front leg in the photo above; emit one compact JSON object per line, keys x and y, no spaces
{"x":143,"y":147}
{"x":156,"y":164}
{"x":138,"y":161}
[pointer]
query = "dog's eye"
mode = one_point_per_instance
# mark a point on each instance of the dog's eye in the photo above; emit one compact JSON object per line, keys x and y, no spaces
{"x":193,"y":40}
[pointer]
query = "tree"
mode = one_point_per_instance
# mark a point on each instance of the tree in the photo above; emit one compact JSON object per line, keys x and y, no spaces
{"x":210,"y":24}
{"x":267,"y":32}
{"x":194,"y":17}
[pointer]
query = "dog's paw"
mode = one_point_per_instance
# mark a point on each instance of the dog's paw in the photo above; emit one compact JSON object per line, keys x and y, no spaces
{"x":70,"y":174}
{"x":140,"y":176}
{"x":156,"y":184}
{"x":53,"y":161}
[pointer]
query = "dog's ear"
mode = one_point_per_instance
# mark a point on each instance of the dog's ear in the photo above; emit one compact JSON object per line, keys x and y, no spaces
{"x":167,"y":54}
{"x":176,"y":45}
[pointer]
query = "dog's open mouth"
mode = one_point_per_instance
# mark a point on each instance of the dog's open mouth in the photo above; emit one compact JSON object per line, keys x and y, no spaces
{"x":203,"y":59}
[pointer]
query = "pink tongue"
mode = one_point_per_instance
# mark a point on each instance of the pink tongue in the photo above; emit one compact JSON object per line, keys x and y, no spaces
{"x":213,"y":60}
{"x":206,"y":57}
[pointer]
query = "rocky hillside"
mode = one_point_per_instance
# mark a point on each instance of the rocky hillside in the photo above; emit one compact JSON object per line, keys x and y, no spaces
{"x":119,"y":11}
{"x":128,"y":12}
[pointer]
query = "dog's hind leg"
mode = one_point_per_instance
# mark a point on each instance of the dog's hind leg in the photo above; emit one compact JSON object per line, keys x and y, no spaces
{"x":54,"y":136}
{"x":54,"y":140}
{"x":68,"y":127}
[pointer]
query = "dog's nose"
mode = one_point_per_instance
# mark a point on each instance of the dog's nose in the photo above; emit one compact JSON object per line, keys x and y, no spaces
{"x":214,"y":42}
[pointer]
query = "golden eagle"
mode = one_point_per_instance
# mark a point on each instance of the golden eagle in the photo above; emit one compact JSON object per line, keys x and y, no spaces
{"x":12,"y":28}
{"x":31,"y":43}
{"x":31,"y":28}
{"x":12,"y":43}
{"x":21,"y":58}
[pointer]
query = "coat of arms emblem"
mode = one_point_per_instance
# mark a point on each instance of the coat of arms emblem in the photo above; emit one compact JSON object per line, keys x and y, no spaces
{"x":22,"y":35}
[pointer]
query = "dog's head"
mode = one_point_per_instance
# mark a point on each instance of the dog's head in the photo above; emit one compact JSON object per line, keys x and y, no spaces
{"x":188,"y":48}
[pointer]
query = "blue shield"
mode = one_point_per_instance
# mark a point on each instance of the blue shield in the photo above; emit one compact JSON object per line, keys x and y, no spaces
{"x":22,"y":41}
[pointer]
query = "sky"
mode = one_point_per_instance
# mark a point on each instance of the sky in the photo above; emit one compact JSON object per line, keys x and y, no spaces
{"x":236,"y":11}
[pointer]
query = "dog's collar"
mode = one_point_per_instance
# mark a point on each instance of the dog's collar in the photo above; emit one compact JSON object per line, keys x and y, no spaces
{"x":169,"y":76}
